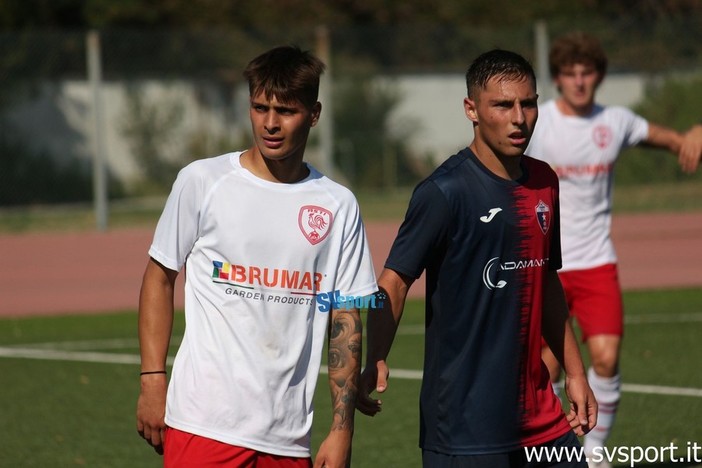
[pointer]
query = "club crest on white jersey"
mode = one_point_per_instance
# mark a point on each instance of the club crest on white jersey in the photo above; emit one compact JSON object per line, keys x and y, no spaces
{"x":543,"y":216}
{"x":315,"y":223}
{"x":602,"y":136}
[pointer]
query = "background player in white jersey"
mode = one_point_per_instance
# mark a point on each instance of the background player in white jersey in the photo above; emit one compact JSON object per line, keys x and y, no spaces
{"x":582,"y":140}
{"x":262,"y":235}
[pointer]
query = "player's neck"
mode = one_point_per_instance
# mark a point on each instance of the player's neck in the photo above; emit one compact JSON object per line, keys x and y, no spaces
{"x":567,"y":108}
{"x":285,"y":171}
{"x":507,"y":167}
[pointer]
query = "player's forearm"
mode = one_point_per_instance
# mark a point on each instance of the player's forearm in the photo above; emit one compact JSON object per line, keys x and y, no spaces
{"x":155,"y":317}
{"x":344,"y":363}
{"x":382,"y":322}
{"x":154,"y":338}
{"x":664,"y":137}
{"x":571,"y":360}
{"x":561,"y":339}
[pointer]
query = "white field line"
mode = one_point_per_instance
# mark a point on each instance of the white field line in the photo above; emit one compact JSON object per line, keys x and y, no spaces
{"x":76,"y":356}
{"x":115,"y":343}
{"x":637,"y":319}
{"x":662,"y":390}
{"x":114,"y":358}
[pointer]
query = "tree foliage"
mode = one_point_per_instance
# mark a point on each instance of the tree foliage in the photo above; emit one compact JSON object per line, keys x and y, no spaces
{"x":370,"y":154}
{"x":675,"y":103}
{"x":20,"y":14}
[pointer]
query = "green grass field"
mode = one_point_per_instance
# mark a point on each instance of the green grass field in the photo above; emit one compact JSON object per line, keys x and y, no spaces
{"x":70,"y":400}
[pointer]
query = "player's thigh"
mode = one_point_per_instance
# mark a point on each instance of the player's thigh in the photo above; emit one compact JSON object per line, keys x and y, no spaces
{"x":267,"y":460}
{"x":183,"y":449}
{"x":595,"y":299}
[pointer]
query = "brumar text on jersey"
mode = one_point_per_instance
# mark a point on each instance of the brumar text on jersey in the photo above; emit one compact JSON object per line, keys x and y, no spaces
{"x":486,"y":244}
{"x":256,"y":254}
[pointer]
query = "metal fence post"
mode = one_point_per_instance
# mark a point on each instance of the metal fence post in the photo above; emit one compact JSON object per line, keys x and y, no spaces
{"x":326,"y":122}
{"x":541,"y":45}
{"x":99,"y":151}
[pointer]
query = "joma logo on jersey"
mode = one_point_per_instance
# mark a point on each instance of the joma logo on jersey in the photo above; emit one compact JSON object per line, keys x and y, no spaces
{"x":277,"y":278}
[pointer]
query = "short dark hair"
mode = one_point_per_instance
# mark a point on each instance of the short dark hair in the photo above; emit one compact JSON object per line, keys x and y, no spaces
{"x":576,"y":47}
{"x":497,"y":62}
{"x":286,"y":72}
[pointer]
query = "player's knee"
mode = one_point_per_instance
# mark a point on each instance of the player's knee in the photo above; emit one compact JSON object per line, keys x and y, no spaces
{"x":606,"y":363}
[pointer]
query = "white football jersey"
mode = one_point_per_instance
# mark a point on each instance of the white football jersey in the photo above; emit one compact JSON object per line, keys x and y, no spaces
{"x":256,"y":253}
{"x":583,"y":151}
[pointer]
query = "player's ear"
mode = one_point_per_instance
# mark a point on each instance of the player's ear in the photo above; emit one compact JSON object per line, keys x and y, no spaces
{"x":600,"y":77}
{"x":556,"y":82}
{"x":470,"y":109}
{"x":316,"y":111}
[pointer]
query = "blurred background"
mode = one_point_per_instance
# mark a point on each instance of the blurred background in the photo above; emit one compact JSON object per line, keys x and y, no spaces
{"x":102,"y":101}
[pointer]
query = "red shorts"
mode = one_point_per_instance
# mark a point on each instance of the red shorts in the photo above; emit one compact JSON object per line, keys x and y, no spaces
{"x":182,"y":449}
{"x":595,"y":300}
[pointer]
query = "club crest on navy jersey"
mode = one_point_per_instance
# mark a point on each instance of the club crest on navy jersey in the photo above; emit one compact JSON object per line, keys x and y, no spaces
{"x":315,"y":223}
{"x":543,"y":216}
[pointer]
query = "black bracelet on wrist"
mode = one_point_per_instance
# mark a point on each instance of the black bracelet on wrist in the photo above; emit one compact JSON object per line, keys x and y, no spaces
{"x":153,"y":372}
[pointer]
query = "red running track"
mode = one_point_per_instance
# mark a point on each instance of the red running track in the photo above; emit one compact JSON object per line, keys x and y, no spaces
{"x":86,"y":272}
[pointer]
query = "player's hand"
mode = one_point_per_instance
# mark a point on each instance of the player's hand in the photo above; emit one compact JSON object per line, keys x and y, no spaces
{"x":691,"y":149}
{"x":151,"y":409}
{"x":373,"y":378}
{"x":335,"y":450}
{"x":582,"y":416}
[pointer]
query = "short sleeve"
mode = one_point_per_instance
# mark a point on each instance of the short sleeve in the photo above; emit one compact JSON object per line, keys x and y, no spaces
{"x":178,"y":227}
{"x":635,"y":126}
{"x":355,"y":275}
{"x":423,"y":232}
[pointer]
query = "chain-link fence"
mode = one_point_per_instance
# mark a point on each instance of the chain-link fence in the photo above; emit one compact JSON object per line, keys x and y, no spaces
{"x":393,"y":98}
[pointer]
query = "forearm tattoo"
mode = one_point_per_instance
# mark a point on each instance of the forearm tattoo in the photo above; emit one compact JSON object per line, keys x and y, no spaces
{"x":345,"y":333}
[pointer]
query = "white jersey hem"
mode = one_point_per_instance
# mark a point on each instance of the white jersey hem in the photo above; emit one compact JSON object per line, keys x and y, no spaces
{"x":240,"y":442}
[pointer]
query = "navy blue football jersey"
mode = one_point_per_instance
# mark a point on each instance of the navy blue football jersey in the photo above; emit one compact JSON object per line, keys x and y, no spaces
{"x":486,"y":244}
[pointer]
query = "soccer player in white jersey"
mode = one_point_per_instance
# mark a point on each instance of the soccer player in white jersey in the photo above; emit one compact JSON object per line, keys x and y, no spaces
{"x":582,"y":140}
{"x":268,"y":245}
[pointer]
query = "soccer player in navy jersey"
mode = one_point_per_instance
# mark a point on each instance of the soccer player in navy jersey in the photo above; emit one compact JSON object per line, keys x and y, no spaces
{"x":485,"y":227}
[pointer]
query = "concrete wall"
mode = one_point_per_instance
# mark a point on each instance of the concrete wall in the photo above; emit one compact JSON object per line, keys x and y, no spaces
{"x":59,"y":117}
{"x":436,"y":103}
